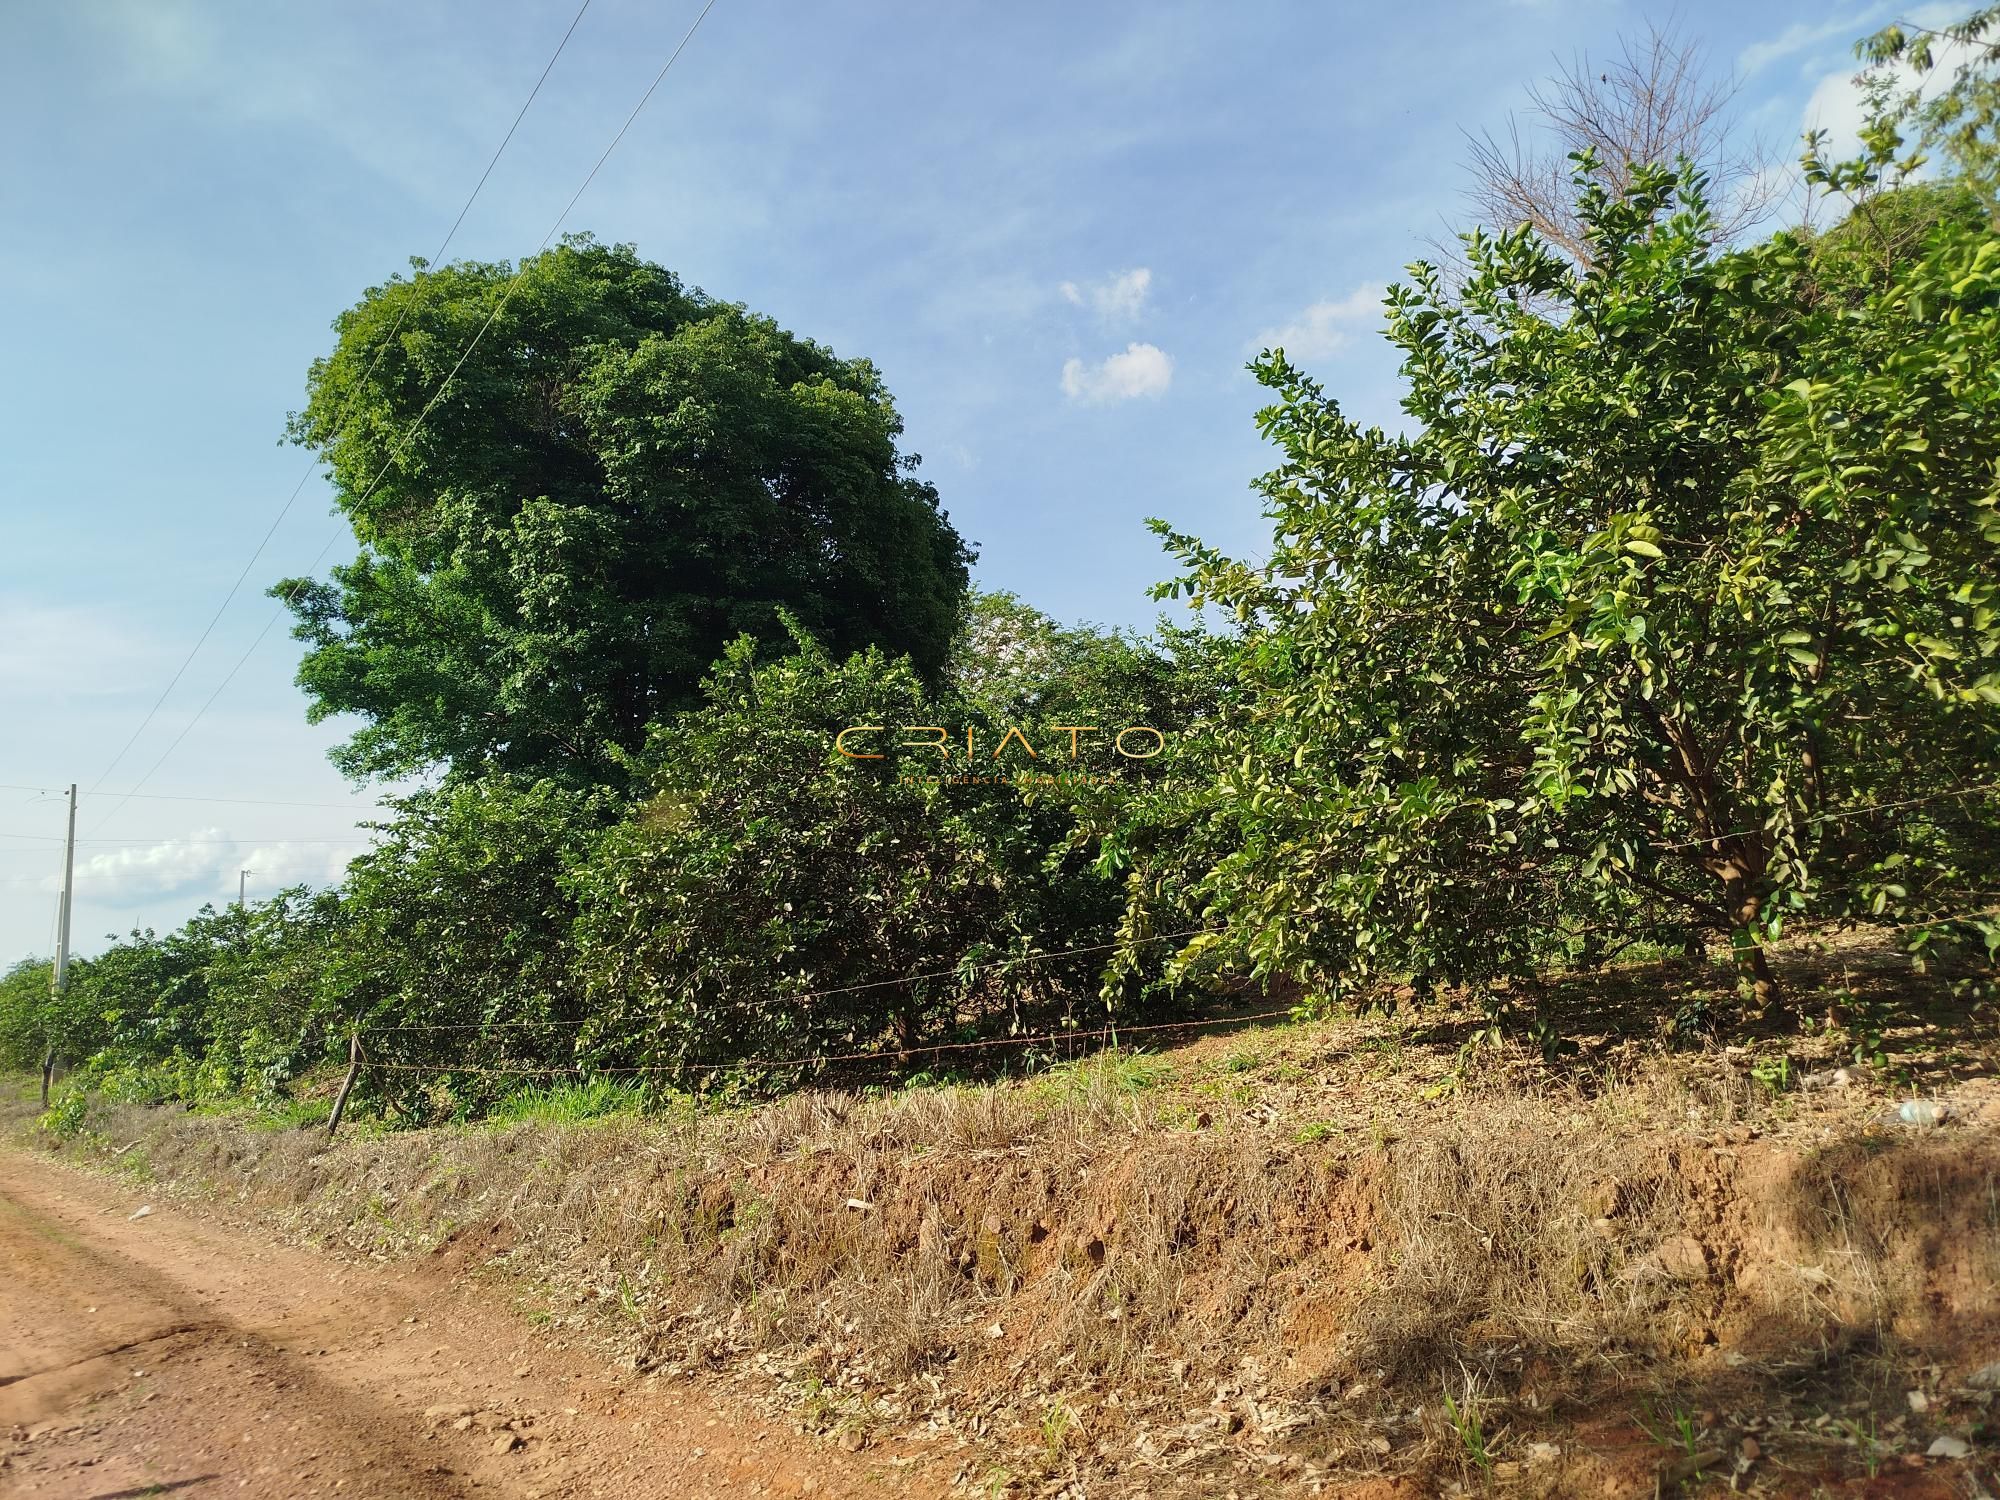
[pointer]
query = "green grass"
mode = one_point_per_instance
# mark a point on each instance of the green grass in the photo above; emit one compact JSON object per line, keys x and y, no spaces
{"x":569,"y":1103}
{"x":289,"y":1114}
{"x":1867,"y":1440}
{"x":1122,"y":1072}
{"x":1058,"y":1427}
{"x":1670,"y":1425}
{"x":1471,"y":1433}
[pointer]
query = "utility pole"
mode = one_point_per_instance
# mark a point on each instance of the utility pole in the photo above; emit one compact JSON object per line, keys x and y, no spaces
{"x":61,"y":976}
{"x":241,"y":876}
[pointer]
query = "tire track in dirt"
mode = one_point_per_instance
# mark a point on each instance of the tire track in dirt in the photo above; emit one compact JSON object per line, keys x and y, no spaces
{"x":169,"y":1356}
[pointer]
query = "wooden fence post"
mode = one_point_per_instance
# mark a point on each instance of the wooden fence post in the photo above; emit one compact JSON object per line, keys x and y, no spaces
{"x":347,"y":1084}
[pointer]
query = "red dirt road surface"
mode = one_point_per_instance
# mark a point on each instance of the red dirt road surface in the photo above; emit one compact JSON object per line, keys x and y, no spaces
{"x":163,"y":1355}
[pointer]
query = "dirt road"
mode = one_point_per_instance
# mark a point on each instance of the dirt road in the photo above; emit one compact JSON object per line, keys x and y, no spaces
{"x":163,"y":1355}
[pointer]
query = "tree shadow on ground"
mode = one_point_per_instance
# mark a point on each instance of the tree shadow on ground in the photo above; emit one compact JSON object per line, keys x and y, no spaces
{"x":1851,"y":999}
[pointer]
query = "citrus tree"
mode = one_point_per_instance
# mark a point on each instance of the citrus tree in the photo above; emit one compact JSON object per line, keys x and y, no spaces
{"x":1671,"y":610}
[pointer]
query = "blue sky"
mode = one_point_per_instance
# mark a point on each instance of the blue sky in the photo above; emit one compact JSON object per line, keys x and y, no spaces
{"x":1060,"y":230}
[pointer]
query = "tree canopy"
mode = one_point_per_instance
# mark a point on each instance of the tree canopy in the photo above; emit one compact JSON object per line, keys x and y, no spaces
{"x":613,"y":477}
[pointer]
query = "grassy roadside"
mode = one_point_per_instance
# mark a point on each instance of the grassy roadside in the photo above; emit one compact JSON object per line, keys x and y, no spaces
{"x":1352,"y":1255}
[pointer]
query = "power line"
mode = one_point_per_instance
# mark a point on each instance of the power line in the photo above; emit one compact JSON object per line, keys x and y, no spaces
{"x":381,"y":349}
{"x":397,"y":451}
{"x":189,"y":797}
{"x":187,"y":728}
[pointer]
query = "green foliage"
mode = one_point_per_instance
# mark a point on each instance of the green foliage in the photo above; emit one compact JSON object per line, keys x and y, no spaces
{"x":27,"y":1014}
{"x":1670,"y":1425}
{"x":624,"y":476}
{"x":570,"y":1103}
{"x":1467,"y":1427}
{"x":220,"y":1005}
{"x":507,"y":929}
{"x":1016,"y":665}
{"x":1888,"y":229}
{"x":1960,"y":119}
{"x":452,"y":955}
{"x":771,"y":894}
{"x":1678,"y":561}
{"x":68,"y":1113}
{"x":1671,"y":610}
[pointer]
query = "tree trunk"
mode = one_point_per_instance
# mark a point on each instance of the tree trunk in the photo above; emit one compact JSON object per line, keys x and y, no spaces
{"x":1763,"y":984}
{"x":48,"y":1072}
{"x":1757,"y":981}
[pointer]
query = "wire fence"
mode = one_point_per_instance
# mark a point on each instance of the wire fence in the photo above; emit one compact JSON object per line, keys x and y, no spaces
{"x":902,"y":1056}
{"x":914,"y":1056}
{"x":963,"y":972}
{"x":1839,"y":815}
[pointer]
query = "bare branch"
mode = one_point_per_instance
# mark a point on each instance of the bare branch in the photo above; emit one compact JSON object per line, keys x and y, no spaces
{"x":1652,"y":105}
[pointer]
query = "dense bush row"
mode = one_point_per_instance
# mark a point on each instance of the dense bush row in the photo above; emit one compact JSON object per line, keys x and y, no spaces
{"x":698,"y":916}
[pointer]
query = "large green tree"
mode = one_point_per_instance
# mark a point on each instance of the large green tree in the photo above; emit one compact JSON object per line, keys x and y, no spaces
{"x":573,"y":482}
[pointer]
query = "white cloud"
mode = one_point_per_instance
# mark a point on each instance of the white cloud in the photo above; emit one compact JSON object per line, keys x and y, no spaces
{"x":1116,"y":299}
{"x":1142,"y":370}
{"x":205,"y":863}
{"x":1327,"y":327}
{"x":1836,"y":107}
{"x":168,"y":868}
{"x":272,"y":867}
{"x":1800,"y":36}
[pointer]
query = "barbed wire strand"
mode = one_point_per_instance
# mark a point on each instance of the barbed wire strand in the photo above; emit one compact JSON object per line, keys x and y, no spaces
{"x":823,"y":1060}
{"x":1861,"y":810}
{"x":1943,"y":919}
{"x":994,"y":966}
